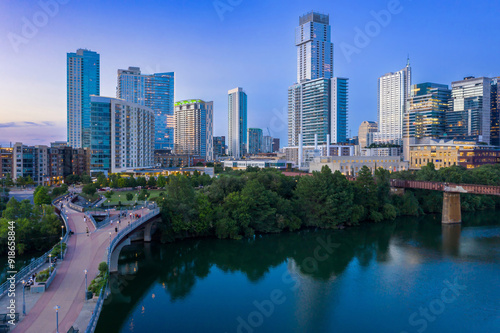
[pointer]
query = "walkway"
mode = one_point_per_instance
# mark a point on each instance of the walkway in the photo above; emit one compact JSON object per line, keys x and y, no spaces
{"x":68,"y":288}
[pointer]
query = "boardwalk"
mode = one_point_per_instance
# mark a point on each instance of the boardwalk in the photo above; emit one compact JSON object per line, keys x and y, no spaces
{"x":68,"y":288}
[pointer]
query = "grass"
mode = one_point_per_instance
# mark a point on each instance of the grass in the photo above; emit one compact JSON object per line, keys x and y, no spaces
{"x":122,"y":196}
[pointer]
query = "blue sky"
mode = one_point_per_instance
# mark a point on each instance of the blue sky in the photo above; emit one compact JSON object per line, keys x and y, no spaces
{"x":246,"y":43}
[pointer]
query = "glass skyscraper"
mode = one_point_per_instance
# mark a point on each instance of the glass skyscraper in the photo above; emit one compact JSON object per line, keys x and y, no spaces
{"x":155,"y":91}
{"x":255,"y":138}
{"x":317,"y":103}
{"x":83,"y":80}
{"x":237,"y":134}
{"x":470,"y":115}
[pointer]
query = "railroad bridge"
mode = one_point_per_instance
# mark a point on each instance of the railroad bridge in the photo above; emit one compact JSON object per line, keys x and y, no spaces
{"x":451,"y":194}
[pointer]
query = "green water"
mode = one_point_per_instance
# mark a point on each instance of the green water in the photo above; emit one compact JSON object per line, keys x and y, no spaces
{"x":412,"y":275}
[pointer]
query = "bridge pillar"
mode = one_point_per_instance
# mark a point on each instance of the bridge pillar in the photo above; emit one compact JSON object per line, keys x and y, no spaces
{"x":451,"y":208}
{"x":115,"y":255}
{"x":147,"y":231}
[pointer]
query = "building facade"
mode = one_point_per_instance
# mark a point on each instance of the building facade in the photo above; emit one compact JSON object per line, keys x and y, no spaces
{"x":6,"y":162}
{"x":393,"y":93}
{"x":194,"y":123}
{"x":267,"y":144}
{"x":163,"y":158}
{"x":83,"y":80}
{"x":237,"y":127}
{"x":255,"y":141}
{"x":351,"y":165}
{"x":122,"y":135}
{"x":366,"y":127}
{"x":155,"y":91}
{"x":219,"y":147}
{"x":470,"y":115}
{"x":276,"y":145}
{"x":339,"y":110}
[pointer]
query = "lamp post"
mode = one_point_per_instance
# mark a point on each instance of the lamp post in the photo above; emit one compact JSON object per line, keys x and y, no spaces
{"x":61,"y":249}
{"x":50,"y":259}
{"x":62,"y":235}
{"x":85,"y":271}
{"x":57,"y":307}
{"x":109,"y":251}
{"x":24,"y":301}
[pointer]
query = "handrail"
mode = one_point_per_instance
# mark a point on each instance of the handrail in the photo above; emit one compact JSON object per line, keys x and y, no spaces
{"x":38,"y":262}
{"x":121,"y":234}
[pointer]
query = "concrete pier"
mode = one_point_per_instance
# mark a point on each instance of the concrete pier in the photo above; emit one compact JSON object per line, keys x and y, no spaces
{"x":451,"y":208}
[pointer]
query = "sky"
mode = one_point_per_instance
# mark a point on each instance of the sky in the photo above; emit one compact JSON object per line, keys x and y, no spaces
{"x":216,"y":45}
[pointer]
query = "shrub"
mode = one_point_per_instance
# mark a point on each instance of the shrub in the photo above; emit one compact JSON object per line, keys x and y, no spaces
{"x":44,"y":275}
{"x":103,"y":267}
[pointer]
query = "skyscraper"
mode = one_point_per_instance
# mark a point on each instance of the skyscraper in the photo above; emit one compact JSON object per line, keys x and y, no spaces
{"x":194,"y":123}
{"x":314,"y":47}
{"x":495,"y":112}
{"x":255,"y":138}
{"x":470,"y":115}
{"x":83,"y":80}
{"x":237,"y":134}
{"x":317,"y":103}
{"x":122,"y":135}
{"x":155,"y":91}
{"x":393,"y":93}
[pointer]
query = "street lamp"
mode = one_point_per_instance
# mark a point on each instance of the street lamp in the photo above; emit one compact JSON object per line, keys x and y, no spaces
{"x":62,"y":235}
{"x":85,"y":271}
{"x":57,"y":307}
{"x":110,"y":241}
{"x":24,"y":302}
{"x":50,"y":259}
{"x":61,"y":249}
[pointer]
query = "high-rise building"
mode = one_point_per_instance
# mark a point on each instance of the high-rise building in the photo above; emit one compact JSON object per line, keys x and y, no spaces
{"x":30,"y":161}
{"x":122,"y":135}
{"x":470,"y":115}
{"x":237,"y":134}
{"x":194,"y":122}
{"x":495,"y":112}
{"x":276,"y":145}
{"x":6,"y":162}
{"x":314,"y":47}
{"x":317,"y":103}
{"x":338,"y":123}
{"x":219,"y":147}
{"x":267,"y":144}
{"x":83,"y":80}
{"x":393,"y":93}
{"x":255,"y":139}
{"x":364,"y":131}
{"x":155,"y":91}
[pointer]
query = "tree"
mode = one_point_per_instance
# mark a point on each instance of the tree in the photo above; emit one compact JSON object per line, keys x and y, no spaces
{"x":122,"y":183}
{"x":102,"y":181}
{"x":89,"y":189}
{"x":86,"y":179}
{"x":161,"y":181}
{"x":141,"y":181}
{"x":41,"y":196}
{"x":152,"y":181}
{"x":129,"y":196}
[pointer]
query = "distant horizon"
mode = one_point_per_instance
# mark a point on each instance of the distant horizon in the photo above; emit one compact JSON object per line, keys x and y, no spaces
{"x":249,"y":45}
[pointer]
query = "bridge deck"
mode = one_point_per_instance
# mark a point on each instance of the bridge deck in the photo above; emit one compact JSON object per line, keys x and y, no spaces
{"x":447,"y":187}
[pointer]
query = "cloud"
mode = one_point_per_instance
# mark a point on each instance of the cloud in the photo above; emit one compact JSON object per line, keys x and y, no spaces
{"x":27,"y":124}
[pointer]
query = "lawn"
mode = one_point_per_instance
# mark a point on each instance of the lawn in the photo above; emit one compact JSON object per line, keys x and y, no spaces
{"x":122,"y":196}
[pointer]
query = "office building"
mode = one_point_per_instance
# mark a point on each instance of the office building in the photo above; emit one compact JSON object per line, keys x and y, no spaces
{"x":470,"y":115}
{"x":155,"y":91}
{"x":122,"y":135}
{"x":339,"y":111}
{"x":6,"y":162}
{"x":267,"y":144}
{"x":83,"y":80}
{"x":255,"y":140}
{"x":30,"y":161}
{"x":237,"y":127}
{"x":444,"y":153}
{"x":495,"y":112}
{"x":163,"y":158}
{"x":364,"y":137}
{"x":219,"y":147}
{"x":393,"y":93}
{"x":194,"y":123}
{"x":276,"y":145}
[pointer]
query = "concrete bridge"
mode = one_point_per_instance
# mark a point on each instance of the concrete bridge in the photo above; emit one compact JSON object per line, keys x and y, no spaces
{"x":451,"y":194}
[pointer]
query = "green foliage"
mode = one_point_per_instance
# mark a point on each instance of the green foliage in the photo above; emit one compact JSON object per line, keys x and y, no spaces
{"x":41,"y":196}
{"x":129,"y":196}
{"x":44,"y":275}
{"x":151,"y":181}
{"x":103,"y":267}
{"x":141,"y":181}
{"x":56,"y":250}
{"x":161,"y":181}
{"x":89,"y":189}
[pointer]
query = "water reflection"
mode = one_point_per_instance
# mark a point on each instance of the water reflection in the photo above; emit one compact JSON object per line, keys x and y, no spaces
{"x":391,"y":247}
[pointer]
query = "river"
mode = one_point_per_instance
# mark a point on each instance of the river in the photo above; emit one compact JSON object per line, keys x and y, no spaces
{"x":410,"y":275}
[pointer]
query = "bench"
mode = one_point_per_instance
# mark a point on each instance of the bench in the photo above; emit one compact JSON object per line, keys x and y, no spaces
{"x":73,"y":330}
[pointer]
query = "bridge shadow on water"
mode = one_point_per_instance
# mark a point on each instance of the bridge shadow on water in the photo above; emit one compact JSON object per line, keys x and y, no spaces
{"x":178,"y":266}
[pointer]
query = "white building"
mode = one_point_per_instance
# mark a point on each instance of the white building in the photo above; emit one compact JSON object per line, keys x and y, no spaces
{"x":263,"y":164}
{"x":350,"y":165}
{"x":393,"y":92}
{"x":122,"y":135}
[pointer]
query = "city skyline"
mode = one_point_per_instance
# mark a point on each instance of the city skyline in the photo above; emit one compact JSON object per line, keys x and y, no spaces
{"x":40,"y":118}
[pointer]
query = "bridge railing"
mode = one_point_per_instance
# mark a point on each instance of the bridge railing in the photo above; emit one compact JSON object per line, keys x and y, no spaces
{"x":121,"y":234}
{"x":36,"y":263}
